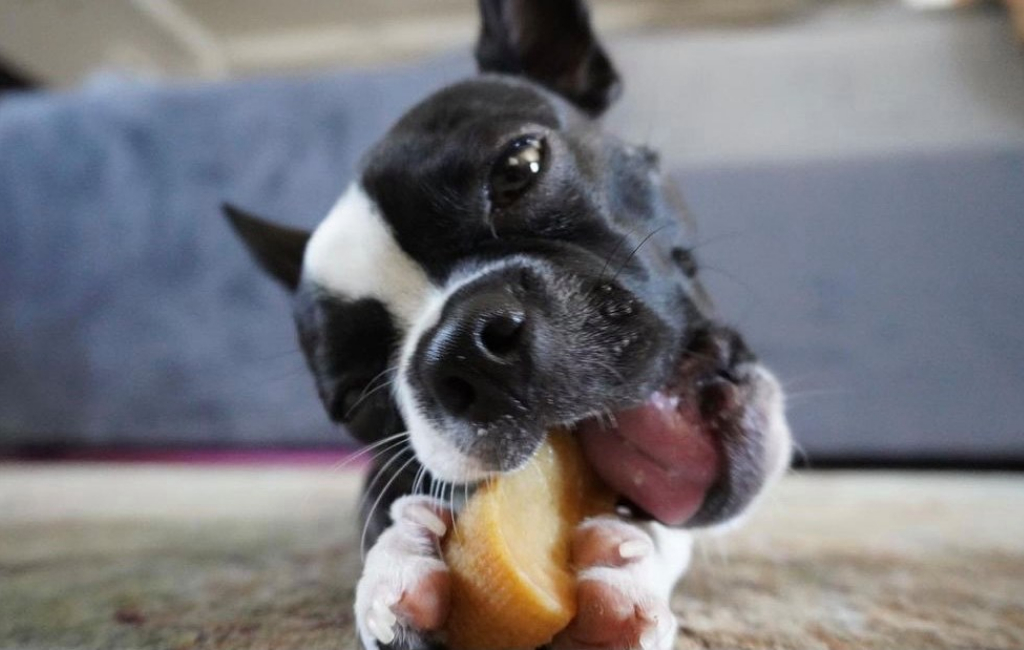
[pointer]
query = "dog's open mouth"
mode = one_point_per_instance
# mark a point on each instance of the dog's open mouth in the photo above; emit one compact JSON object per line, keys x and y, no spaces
{"x":661,"y":456}
{"x":668,"y":454}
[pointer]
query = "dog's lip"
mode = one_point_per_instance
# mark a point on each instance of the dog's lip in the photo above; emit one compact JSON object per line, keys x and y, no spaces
{"x":662,"y":455}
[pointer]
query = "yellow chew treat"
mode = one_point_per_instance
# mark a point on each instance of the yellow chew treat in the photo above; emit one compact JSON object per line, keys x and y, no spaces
{"x":512,"y":586}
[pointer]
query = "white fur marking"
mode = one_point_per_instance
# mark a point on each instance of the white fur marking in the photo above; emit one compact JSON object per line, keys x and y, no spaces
{"x":353,"y":253}
{"x":444,"y":460}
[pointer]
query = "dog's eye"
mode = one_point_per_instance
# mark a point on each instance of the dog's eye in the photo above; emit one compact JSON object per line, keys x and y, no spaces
{"x":516,"y":169}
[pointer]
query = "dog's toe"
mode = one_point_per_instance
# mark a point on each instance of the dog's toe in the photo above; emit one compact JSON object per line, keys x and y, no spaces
{"x":424,"y":605}
{"x":605,"y":618}
{"x":614,"y":613}
{"x":403,"y":593}
{"x":616,"y":607}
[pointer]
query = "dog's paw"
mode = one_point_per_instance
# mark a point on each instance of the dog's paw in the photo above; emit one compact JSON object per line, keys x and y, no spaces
{"x":618,"y":605}
{"x":403,"y":594}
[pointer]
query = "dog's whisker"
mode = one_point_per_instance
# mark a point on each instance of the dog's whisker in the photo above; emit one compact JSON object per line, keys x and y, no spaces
{"x":450,"y":500}
{"x":750,"y":290}
{"x":608,"y":260}
{"x":417,"y":483}
{"x":382,"y":373}
{"x":373,"y":509}
{"x":369,"y":389}
{"x":365,"y":396}
{"x":800,"y":452}
{"x":368,"y":490}
{"x":533,"y":465}
{"x":397,"y":447}
{"x":338,"y":466}
{"x":643,"y":241}
{"x":615,"y":251}
{"x":719,"y":238}
{"x":376,"y":448}
{"x":383,"y":441}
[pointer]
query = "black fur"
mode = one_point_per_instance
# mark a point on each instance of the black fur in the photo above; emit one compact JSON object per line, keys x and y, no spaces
{"x":551,"y":43}
{"x":277,"y":249}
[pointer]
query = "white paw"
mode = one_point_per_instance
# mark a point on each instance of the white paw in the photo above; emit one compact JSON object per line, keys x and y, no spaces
{"x":622,"y":602}
{"x":403,"y":593}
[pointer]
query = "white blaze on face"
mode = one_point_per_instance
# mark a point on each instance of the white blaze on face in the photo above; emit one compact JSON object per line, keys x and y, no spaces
{"x":353,"y":254}
{"x":439,"y":454}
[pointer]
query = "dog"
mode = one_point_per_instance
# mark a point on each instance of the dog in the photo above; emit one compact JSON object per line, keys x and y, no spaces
{"x":506,"y":267}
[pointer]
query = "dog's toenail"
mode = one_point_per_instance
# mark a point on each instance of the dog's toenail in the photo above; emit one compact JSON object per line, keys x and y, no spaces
{"x":383,"y":614}
{"x":634,"y":548}
{"x":379,"y":628}
{"x":649,"y":639}
{"x":426,"y":518}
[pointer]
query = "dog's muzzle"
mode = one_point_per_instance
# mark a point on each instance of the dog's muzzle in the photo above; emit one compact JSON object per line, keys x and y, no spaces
{"x":490,"y":375}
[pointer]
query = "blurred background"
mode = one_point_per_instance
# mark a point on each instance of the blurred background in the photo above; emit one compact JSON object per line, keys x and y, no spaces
{"x":856,"y":168}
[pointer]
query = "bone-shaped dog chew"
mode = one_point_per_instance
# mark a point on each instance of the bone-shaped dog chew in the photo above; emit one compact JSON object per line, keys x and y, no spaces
{"x":513,"y":585}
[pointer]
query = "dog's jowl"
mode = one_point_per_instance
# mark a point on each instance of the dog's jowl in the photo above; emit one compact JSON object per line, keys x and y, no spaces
{"x":502,"y":266}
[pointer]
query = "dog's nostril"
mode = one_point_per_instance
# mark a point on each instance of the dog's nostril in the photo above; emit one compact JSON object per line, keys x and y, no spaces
{"x":501,"y":333}
{"x":456,"y":395}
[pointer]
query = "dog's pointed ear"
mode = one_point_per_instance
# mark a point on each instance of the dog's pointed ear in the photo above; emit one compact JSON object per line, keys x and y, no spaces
{"x":551,"y":42}
{"x":277,"y":249}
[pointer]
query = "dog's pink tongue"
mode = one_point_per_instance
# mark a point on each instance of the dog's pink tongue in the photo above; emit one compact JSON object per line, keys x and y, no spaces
{"x":659,"y":455}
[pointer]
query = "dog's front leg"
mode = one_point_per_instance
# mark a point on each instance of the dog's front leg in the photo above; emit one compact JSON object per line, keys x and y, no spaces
{"x":402,"y":595}
{"x":626,"y":575}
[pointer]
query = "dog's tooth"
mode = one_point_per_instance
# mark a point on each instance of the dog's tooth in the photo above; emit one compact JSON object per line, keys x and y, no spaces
{"x":426,"y":518}
{"x":634,"y":549}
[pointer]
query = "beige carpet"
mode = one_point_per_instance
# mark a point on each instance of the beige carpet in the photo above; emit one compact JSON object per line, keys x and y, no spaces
{"x":186,"y":558}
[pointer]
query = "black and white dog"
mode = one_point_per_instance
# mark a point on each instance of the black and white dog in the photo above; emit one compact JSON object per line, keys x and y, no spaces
{"x":511,"y":267}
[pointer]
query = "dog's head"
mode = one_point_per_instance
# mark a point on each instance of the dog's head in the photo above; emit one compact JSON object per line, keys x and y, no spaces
{"x":514,"y":268}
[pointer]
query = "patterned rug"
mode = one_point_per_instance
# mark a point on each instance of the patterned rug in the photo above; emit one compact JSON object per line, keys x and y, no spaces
{"x":183,"y":557}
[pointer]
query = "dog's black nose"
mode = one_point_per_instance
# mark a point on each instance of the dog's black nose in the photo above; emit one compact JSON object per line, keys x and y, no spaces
{"x":476,"y":364}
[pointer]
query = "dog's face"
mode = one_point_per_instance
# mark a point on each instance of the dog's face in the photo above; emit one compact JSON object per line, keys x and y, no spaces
{"x":512,"y":268}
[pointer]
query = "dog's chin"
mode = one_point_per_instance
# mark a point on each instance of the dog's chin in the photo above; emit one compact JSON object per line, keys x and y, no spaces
{"x":697,"y":452}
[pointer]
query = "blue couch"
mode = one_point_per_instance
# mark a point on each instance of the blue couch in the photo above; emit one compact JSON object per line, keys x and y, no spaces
{"x":884,"y":283}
